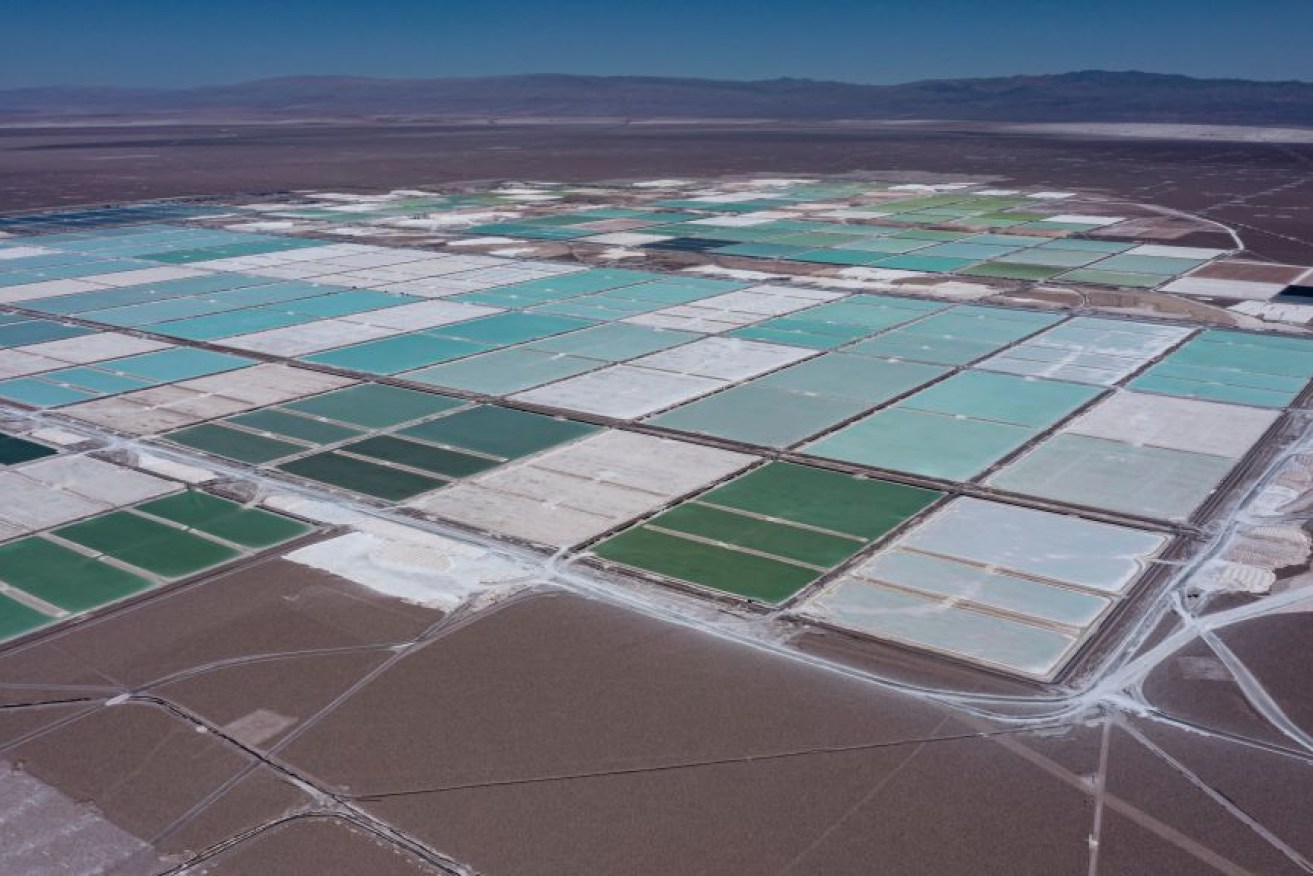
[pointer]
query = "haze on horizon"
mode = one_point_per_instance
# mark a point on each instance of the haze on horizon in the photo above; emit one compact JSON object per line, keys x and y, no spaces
{"x":158,"y":43}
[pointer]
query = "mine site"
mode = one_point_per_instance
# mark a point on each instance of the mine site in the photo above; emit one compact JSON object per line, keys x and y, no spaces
{"x":609,"y":475}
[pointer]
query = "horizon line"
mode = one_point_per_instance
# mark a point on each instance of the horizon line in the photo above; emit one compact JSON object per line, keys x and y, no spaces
{"x":649,"y":76}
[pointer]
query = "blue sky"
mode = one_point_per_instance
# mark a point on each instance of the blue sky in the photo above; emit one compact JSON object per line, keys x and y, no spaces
{"x":191,"y":42}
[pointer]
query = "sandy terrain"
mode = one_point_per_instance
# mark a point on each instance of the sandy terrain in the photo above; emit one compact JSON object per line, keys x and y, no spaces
{"x":1260,"y":188}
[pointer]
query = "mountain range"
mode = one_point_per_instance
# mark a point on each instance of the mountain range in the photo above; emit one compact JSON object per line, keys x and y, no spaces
{"x":1087,"y":96}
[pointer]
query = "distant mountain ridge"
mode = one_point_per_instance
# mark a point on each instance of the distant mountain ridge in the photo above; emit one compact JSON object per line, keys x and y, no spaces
{"x":1087,"y":96}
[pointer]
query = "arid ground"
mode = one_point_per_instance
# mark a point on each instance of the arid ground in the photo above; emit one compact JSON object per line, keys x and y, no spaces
{"x":1260,"y":188}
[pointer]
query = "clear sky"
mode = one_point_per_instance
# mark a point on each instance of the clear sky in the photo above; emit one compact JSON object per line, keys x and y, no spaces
{"x":196,"y":42}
